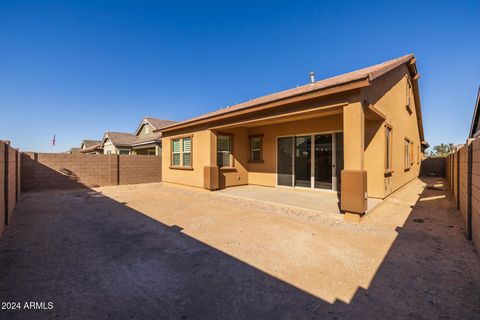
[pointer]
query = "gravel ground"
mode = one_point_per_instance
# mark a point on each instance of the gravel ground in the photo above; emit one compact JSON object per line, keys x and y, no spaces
{"x":157,"y":252}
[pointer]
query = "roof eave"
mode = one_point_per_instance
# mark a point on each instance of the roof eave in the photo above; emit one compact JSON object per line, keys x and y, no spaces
{"x":412,"y":68}
{"x":322,"y":92}
{"x":145,"y":142}
{"x":475,"y":116}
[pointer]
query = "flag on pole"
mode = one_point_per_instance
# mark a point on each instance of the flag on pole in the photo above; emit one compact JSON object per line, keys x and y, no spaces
{"x":53,"y":140}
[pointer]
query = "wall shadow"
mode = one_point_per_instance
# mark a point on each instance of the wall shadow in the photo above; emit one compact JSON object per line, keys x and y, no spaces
{"x":96,"y":258}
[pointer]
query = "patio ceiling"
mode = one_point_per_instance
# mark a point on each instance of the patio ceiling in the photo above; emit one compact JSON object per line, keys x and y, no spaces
{"x":287,"y":117}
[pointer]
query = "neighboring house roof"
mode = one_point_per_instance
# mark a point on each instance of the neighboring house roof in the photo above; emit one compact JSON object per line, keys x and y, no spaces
{"x":90,"y":143}
{"x":366,"y":74}
{"x":119,"y":139}
{"x":94,"y":148}
{"x":155,"y":123}
{"x":123,"y":139}
{"x":475,"y":126}
{"x":151,"y":138}
{"x":74,"y":150}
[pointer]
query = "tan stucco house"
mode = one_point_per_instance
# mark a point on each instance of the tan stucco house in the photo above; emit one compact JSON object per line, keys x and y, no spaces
{"x":145,"y":141}
{"x":359,"y":133}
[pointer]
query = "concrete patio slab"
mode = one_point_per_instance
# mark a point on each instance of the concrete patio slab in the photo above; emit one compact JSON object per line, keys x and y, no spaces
{"x":321,"y":201}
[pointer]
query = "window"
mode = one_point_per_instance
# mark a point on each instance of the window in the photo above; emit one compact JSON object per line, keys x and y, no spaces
{"x":147,"y":129}
{"x":181,"y":152}
{"x":407,"y":154}
{"x":176,"y":152}
{"x":418,"y":154}
{"x":412,"y":148}
{"x":123,"y":151}
{"x":408,"y":96}
{"x":388,"y":149}
{"x":187,"y":152}
{"x":224,"y":151}
{"x":256,"y":148}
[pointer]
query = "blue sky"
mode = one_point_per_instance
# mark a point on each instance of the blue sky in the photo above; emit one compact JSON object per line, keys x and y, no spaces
{"x":80,"y":68}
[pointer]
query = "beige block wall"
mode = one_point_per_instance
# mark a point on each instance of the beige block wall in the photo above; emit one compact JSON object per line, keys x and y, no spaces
{"x":2,"y":187}
{"x":12,"y":182}
{"x":9,"y":192}
{"x":476,"y":193}
{"x":44,"y":171}
{"x":460,"y":178}
{"x":463,"y":182}
{"x":389,"y":95}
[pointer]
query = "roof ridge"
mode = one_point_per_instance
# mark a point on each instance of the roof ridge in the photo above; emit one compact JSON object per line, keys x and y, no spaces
{"x":371,"y":72}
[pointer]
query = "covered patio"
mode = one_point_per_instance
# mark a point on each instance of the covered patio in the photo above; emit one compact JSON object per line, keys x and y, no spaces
{"x":319,"y":201}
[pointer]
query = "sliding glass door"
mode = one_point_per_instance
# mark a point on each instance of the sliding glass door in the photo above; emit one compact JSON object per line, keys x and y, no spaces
{"x":285,"y":161}
{"x":323,"y":161}
{"x":310,"y":161}
{"x":303,"y":161}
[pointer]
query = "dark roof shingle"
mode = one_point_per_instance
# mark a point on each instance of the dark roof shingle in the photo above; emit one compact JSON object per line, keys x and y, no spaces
{"x":159,"y":123}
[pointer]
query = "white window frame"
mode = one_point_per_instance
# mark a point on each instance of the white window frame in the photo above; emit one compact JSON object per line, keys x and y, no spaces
{"x":229,"y":152}
{"x":181,"y":152}
{"x":253,"y":149}
{"x":406,"y":147}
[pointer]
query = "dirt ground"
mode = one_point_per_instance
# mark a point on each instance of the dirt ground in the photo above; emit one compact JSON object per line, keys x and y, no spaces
{"x":158,"y":252}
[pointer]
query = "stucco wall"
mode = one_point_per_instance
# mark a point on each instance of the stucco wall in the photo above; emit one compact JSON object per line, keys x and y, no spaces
{"x":202,"y":156}
{"x":238,"y":175}
{"x":388,"y":94}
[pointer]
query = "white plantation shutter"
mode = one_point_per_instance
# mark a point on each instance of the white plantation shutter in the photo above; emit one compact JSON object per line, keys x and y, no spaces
{"x":176,"y":152}
{"x":187,"y":152}
{"x":176,"y":145}
{"x":187,"y":145}
{"x":223,"y":143}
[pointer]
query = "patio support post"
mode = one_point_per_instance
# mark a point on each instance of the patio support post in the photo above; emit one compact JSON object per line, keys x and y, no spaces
{"x":354,"y":176}
{"x":210,"y":172}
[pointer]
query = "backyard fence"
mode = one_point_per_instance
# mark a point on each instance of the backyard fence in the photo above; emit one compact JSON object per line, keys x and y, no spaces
{"x":433,"y":167}
{"x":462,"y":170}
{"x":9,"y":182}
{"x":47,"y":171}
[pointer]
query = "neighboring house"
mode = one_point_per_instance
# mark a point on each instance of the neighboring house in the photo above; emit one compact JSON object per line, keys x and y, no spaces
{"x":91,"y":147}
{"x":148,"y":141}
{"x":360,"y":133}
{"x":143,"y":142}
{"x":475,"y":126}
{"x":117,"y":142}
{"x":73,"y":150}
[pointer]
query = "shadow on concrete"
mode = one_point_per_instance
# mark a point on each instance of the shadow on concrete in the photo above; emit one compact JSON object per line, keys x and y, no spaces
{"x":96,"y":258}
